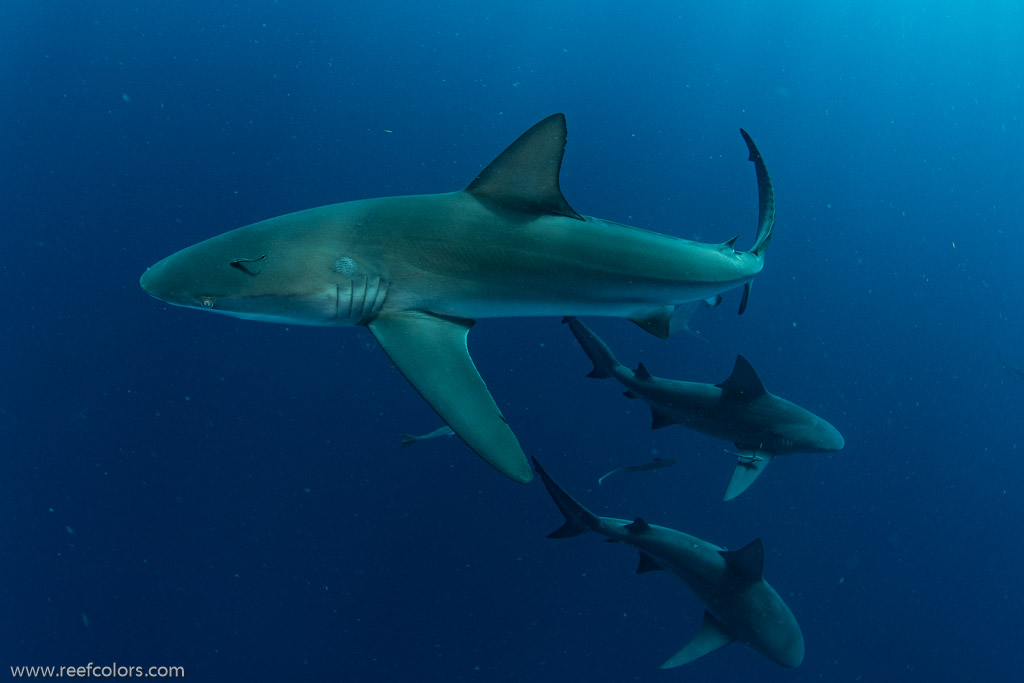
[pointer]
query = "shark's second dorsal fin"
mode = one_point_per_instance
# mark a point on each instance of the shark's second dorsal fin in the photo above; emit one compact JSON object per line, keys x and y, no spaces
{"x":525,"y":176}
{"x":745,"y":565}
{"x":743,"y":383}
{"x":637,"y":526}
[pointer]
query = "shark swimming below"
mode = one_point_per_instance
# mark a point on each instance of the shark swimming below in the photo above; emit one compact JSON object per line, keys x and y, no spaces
{"x":417,"y":271}
{"x":741,"y":606}
{"x":740,"y":410}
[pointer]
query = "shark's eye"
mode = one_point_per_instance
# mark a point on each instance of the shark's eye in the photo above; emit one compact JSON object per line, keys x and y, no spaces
{"x":206,"y":301}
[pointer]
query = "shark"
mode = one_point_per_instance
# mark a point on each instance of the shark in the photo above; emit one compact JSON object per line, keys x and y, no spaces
{"x":740,"y":409}
{"x":740,"y":605}
{"x":419,"y":270}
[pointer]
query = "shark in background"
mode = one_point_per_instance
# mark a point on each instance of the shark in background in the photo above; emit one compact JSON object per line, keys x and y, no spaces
{"x":760,"y":424}
{"x":654,"y":464}
{"x":740,"y":605}
{"x":418,"y":270}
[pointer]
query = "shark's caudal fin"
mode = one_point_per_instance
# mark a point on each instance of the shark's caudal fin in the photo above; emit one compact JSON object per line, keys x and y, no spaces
{"x":765,"y":209}
{"x":578,"y":519}
{"x":605,"y":363}
{"x":431,"y":353}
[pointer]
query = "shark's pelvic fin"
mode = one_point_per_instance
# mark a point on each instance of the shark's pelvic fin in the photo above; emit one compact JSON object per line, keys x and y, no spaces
{"x":743,"y":384}
{"x":648,"y":564}
{"x":658,"y":322}
{"x":749,"y":465}
{"x":660,"y":419}
{"x":712,"y":635}
{"x":431,"y":353}
{"x":524,"y":177}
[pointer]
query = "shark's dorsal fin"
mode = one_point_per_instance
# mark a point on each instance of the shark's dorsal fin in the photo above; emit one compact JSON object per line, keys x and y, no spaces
{"x":648,"y":564}
{"x":712,"y":635}
{"x":637,"y":526}
{"x":524,"y":177}
{"x":641,"y":372}
{"x":745,"y":565}
{"x":743,"y":384}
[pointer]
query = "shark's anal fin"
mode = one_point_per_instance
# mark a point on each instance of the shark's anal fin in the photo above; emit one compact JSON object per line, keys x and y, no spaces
{"x":749,"y":465}
{"x":431,"y":353}
{"x":712,"y":635}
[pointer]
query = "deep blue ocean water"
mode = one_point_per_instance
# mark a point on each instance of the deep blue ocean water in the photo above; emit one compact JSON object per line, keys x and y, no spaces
{"x":228,"y":496}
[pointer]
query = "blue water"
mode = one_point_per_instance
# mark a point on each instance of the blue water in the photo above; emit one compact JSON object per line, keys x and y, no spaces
{"x":194,"y":490}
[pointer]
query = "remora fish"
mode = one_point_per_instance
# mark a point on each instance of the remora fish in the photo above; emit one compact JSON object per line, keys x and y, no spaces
{"x":654,"y":464}
{"x":741,"y":606}
{"x":409,"y":439}
{"x":418,"y":270}
{"x":740,"y":410}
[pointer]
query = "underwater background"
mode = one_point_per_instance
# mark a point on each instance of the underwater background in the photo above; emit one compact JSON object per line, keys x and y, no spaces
{"x":230,"y":497}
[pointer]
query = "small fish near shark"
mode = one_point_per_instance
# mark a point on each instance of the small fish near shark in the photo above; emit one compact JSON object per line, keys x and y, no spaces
{"x":409,"y":439}
{"x":418,"y":270}
{"x":740,"y":605}
{"x":740,"y":410}
{"x":654,"y":464}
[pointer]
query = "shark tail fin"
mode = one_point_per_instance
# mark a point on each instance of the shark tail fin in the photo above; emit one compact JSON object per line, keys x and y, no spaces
{"x":407,"y":440}
{"x":605,"y":363}
{"x":765,"y":209}
{"x":578,"y":519}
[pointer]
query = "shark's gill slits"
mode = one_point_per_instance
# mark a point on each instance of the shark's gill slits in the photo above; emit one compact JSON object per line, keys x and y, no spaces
{"x":362,"y":299}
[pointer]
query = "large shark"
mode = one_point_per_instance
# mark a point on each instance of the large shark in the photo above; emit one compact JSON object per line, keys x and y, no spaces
{"x":418,"y":270}
{"x":740,"y":410}
{"x":741,"y":606}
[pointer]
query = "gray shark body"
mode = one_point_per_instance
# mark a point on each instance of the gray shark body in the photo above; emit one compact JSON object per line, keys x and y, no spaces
{"x":418,"y":270}
{"x":741,"y":606}
{"x":760,"y":424}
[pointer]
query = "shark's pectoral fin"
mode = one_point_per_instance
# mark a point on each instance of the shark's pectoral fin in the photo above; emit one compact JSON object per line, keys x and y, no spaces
{"x":431,"y":353}
{"x":749,"y":465}
{"x":712,"y":635}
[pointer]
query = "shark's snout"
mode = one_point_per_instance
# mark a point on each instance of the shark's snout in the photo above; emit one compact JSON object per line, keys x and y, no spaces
{"x":830,"y":439}
{"x":154,"y":281}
